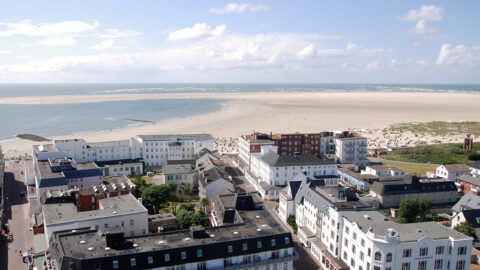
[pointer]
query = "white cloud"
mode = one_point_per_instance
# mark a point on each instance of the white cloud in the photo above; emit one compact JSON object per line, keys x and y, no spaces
{"x":373,"y":66}
{"x":55,"y":41}
{"x":421,"y":16}
{"x":460,"y":56}
{"x":23,"y":57}
{"x":104,"y":45}
{"x":26,"y":28}
{"x":308,"y":51}
{"x":117,"y":33}
{"x":6,"y":51}
{"x":199,"y":30}
{"x":238,"y":8}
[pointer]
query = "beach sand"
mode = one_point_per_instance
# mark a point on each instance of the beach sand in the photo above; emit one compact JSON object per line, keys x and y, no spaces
{"x":279,"y":112}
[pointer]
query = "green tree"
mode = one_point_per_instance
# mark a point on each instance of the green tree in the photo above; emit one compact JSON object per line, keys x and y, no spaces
{"x":184,"y":218}
{"x":204,"y":203}
{"x":140,"y":184}
{"x":408,"y":211}
{"x":156,"y":195}
{"x":292,"y":222}
{"x":467,"y":229}
{"x":186,"y":207}
{"x":199,"y":218}
{"x":424,"y":207}
{"x":185,"y":188}
{"x":173,"y":195}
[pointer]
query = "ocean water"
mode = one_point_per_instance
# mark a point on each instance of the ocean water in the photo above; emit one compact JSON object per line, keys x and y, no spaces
{"x":62,"y":119}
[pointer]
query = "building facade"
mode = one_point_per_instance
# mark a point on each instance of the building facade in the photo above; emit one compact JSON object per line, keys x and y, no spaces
{"x":384,"y":172}
{"x":452,"y":171}
{"x":475,"y":169}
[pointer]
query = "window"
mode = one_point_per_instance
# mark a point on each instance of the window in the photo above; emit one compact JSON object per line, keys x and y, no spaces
{"x":439,"y":250}
{"x":345,"y":242}
{"x":388,"y":258}
{"x":347,"y":230}
{"x":354,"y":236}
{"x":378,"y":256}
{"x":345,"y":256}
{"x":407,"y":253}
{"x":423,"y":251}
{"x":133,"y":262}
{"x":259,"y":244}
{"x":460,"y":265}
{"x":131,"y":222}
{"x":150,"y":259}
{"x":287,"y":240}
{"x":167,"y":257}
{"x":352,"y":262}
{"x":199,"y":253}
{"x":230,"y":248}
{"x":354,"y":249}
{"x":369,"y":252}
{"x":273,"y":242}
{"x":362,"y":242}
{"x":406,"y":266}
{"x":244,"y":247}
{"x":115,"y":264}
{"x":438,"y":264}
{"x":462,"y":250}
{"x":184,"y":255}
{"x":362,"y":256}
{"x":422,"y":265}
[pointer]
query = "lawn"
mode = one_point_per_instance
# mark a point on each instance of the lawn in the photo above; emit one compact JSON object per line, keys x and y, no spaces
{"x":437,"y":128}
{"x":447,"y":153}
{"x":419,"y":169}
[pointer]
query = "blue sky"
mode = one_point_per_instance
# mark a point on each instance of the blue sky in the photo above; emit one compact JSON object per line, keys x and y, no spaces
{"x":240,"y":42}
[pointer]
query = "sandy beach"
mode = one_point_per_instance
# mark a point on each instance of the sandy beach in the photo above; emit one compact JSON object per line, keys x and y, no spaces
{"x":279,"y":112}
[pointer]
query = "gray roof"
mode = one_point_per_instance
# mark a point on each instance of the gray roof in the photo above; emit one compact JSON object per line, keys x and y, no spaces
{"x":276,"y":160}
{"x":380,"y":225}
{"x":457,"y":168}
{"x":468,"y":201}
{"x":475,"y":165}
{"x":125,"y":143}
{"x":196,"y":137}
{"x":472,"y":216}
{"x":212,"y":175}
{"x":469,"y":179}
{"x":177,"y":169}
{"x":114,"y":206}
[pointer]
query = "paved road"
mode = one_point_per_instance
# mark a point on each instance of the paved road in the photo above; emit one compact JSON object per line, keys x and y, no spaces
{"x":17,"y":216}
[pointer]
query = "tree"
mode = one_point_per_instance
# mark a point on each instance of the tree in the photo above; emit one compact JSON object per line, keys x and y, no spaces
{"x":292,"y":222}
{"x":184,"y":218}
{"x":173,"y":195}
{"x":204,"y":203}
{"x":140,"y":184}
{"x":186,"y":207}
{"x":199,"y":218}
{"x":408,"y":211}
{"x":424,"y":207}
{"x":467,"y":229}
{"x":156,"y":195}
{"x":185,"y":188}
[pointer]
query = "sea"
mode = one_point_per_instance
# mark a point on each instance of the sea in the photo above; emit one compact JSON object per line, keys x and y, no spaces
{"x":76,"y":118}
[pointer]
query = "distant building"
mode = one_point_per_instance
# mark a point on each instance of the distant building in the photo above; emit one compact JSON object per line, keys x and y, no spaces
{"x":124,"y":212}
{"x":154,"y":150}
{"x":254,"y":240}
{"x":475,"y":169}
{"x":467,"y":202}
{"x":390,"y":193}
{"x":468,"y":184}
{"x":177,"y":173}
{"x":162,"y":223}
{"x":452,"y":171}
{"x":470,"y":216}
{"x":359,"y":181}
{"x":211,"y":182}
{"x":65,"y":173}
{"x":350,"y":148}
{"x":385,"y":172}
{"x":121,"y":167}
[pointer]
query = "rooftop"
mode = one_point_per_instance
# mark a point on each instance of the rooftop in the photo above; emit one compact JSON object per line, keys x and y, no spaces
{"x":475,"y":165}
{"x":110,"y":184}
{"x":177,"y":169}
{"x":196,"y":137}
{"x":276,"y":160}
{"x":469,"y":179}
{"x":412,"y":184}
{"x":211,"y":175}
{"x":468,"y":201}
{"x":381,"y":225}
{"x":125,"y":143}
{"x":457,"y":168}
{"x":67,"y":212}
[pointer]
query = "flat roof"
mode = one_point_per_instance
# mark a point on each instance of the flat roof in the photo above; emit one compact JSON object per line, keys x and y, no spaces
{"x":114,"y":206}
{"x":258,"y":224}
{"x":197,"y":137}
{"x":380,"y":225}
{"x":110,"y":184}
{"x":177,"y":169}
{"x":109,"y":144}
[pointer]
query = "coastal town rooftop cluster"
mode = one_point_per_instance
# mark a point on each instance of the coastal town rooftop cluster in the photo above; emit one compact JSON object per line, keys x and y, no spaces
{"x":87,"y":209}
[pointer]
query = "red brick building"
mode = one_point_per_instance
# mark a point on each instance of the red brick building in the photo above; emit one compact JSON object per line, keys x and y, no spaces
{"x":87,"y":198}
{"x":468,"y":184}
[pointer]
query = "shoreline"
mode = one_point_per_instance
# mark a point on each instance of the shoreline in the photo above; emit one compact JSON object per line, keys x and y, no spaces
{"x":288,"y":113}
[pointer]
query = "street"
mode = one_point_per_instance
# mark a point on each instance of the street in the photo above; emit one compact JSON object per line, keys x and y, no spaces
{"x":17,"y":217}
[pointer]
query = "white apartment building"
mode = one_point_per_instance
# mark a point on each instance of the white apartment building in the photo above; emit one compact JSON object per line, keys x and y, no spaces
{"x":384,"y":172}
{"x":178,"y":173}
{"x":124,"y":212}
{"x":370,"y":240}
{"x":274,"y":169}
{"x":155,"y":150}
{"x":452,"y":171}
{"x":249,"y":145}
{"x":351,"y":150}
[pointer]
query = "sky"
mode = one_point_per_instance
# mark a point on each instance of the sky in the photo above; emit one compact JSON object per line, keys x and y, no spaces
{"x":155,"y":41}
